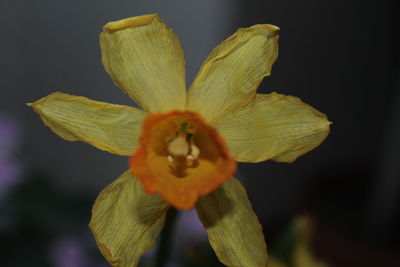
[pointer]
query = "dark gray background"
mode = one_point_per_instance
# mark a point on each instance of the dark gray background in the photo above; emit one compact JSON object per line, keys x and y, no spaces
{"x":341,"y":57}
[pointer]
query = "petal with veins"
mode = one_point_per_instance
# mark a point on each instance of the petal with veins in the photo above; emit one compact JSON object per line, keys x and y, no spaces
{"x":113,"y":128}
{"x":126,"y":221}
{"x":144,"y":58}
{"x":232,"y":72}
{"x":273,"y":126}
{"x":232,"y":227}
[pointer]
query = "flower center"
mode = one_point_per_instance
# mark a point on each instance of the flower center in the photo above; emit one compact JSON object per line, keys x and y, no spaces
{"x":180,"y":157}
{"x":182,"y":151}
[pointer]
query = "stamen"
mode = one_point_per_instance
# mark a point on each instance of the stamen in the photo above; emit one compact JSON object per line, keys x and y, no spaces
{"x":178,"y":146}
{"x":182,"y":151}
{"x":194,"y":152}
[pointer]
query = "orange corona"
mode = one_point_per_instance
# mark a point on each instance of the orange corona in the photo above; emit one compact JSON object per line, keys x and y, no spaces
{"x":181,"y":158}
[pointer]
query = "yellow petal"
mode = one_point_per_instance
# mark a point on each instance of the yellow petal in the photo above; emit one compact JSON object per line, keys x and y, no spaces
{"x":126,"y":221}
{"x":233,"y":229}
{"x":145,"y":59}
{"x":113,"y":128}
{"x":231,"y":74}
{"x":273,"y":126}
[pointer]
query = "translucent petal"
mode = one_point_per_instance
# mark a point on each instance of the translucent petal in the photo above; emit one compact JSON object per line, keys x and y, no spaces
{"x":126,"y":221}
{"x":231,"y":74}
{"x":233,"y":229}
{"x":145,"y":59}
{"x":273,"y":126}
{"x":113,"y":128}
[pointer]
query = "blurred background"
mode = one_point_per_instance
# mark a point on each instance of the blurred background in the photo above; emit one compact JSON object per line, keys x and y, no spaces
{"x":335,"y":206}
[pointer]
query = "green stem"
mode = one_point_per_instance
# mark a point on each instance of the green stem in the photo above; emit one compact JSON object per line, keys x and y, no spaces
{"x":166,"y":236}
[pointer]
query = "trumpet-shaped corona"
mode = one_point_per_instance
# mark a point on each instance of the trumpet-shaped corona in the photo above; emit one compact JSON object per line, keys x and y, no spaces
{"x":181,"y":158}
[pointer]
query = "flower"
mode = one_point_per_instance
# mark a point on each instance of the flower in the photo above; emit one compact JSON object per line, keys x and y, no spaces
{"x":188,"y":140}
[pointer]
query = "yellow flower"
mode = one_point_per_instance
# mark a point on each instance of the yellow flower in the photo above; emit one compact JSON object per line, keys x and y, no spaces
{"x":183,"y":143}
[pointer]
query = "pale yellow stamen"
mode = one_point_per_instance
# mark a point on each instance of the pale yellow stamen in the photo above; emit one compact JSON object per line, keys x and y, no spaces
{"x":180,"y":146}
{"x":194,"y":152}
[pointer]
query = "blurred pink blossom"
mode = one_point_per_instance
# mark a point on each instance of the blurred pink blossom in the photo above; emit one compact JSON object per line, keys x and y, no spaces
{"x":68,"y":252}
{"x":10,"y":170}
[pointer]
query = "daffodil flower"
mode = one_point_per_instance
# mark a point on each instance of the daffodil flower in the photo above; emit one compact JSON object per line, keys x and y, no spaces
{"x":184,"y":144}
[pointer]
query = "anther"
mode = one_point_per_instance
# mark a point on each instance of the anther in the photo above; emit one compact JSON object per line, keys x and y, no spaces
{"x":194,"y":152}
{"x":178,"y":146}
{"x":182,"y":145}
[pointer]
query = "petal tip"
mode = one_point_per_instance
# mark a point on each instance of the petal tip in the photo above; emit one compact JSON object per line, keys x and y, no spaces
{"x":35,"y":105}
{"x":130,"y":22}
{"x":271,"y":30}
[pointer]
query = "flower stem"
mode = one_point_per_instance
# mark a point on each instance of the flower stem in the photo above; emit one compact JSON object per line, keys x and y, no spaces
{"x":166,"y":236}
